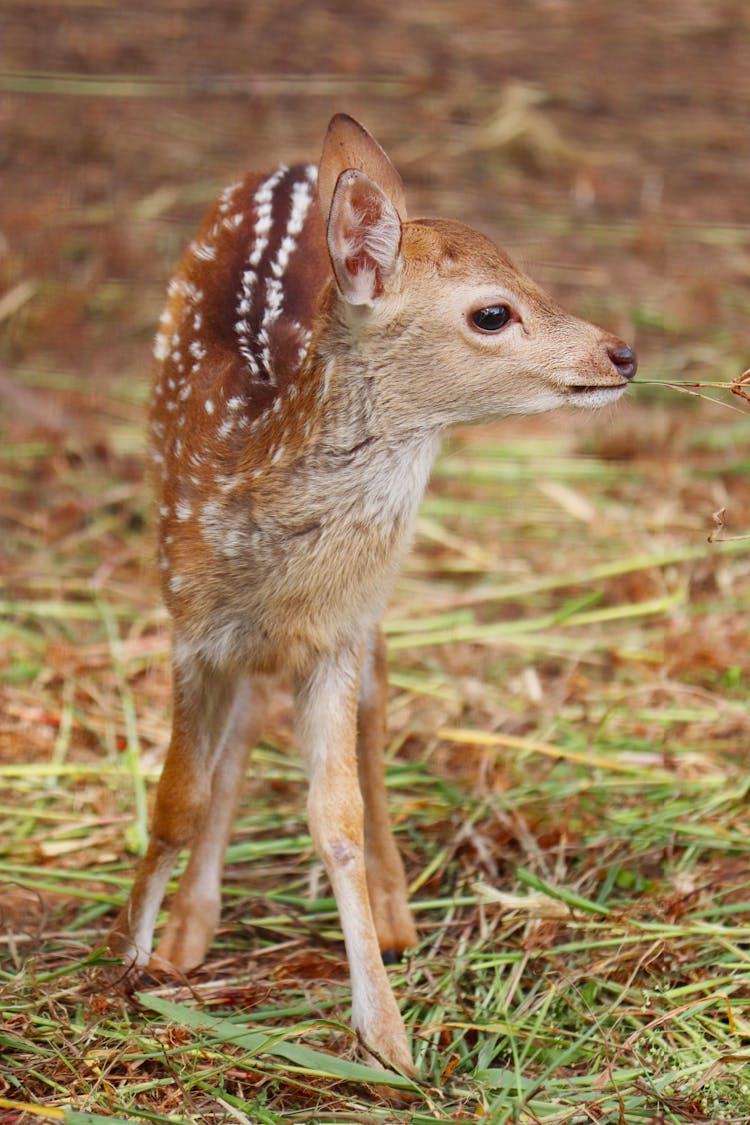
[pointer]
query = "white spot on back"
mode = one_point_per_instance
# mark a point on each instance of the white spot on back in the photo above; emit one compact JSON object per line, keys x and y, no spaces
{"x":226,"y":198}
{"x":203,"y":251}
{"x":161,"y":346}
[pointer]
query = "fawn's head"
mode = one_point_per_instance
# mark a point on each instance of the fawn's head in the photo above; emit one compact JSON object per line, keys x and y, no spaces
{"x":449,"y":328}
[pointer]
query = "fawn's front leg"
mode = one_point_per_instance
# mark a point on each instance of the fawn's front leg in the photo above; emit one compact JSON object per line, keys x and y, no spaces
{"x":203,"y":721}
{"x":386,"y":880}
{"x":326,"y":727}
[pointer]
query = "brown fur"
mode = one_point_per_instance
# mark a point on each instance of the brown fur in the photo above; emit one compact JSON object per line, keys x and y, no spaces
{"x":294,"y":423}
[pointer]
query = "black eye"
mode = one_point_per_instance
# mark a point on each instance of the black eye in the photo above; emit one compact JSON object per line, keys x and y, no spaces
{"x":491,"y":319}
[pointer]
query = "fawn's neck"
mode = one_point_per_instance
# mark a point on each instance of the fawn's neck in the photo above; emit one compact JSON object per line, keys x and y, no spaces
{"x":386,"y":460}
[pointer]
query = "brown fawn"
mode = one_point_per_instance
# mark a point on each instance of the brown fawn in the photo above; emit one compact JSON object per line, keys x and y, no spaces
{"x":314,"y":346}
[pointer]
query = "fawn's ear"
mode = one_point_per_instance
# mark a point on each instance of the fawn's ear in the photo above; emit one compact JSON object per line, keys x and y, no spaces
{"x":349,"y":145}
{"x":364,"y":236}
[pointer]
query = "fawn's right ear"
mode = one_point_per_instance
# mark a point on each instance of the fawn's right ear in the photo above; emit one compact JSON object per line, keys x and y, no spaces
{"x":364,"y":237}
{"x":349,"y":145}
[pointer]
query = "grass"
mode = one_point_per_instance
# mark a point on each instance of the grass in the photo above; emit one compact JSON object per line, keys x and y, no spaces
{"x":568,"y":778}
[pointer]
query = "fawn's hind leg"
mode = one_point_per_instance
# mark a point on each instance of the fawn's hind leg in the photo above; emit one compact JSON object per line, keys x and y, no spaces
{"x":196,"y":907}
{"x":204,"y":716}
{"x":386,"y":881}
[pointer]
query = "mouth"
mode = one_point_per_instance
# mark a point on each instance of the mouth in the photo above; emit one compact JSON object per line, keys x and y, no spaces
{"x":597,"y":388}
{"x":588,"y":395}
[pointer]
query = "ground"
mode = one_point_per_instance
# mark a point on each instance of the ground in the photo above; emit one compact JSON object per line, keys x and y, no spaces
{"x":569,"y":651}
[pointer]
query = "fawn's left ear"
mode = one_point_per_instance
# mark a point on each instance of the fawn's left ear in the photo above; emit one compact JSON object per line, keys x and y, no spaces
{"x":349,"y":145}
{"x":364,"y":236}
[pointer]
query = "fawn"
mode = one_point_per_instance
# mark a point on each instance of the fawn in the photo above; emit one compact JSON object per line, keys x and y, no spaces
{"x":311,"y":353}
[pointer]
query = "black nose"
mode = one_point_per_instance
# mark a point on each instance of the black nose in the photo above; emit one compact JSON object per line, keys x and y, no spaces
{"x":624,"y":359}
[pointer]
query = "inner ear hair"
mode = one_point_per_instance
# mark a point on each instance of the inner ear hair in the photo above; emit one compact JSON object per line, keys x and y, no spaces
{"x":364,"y":238}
